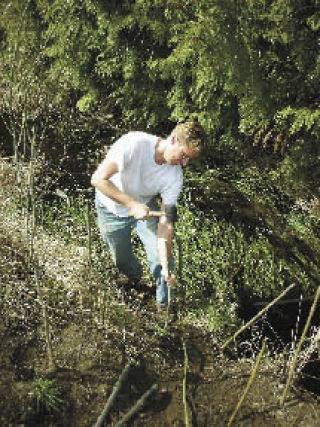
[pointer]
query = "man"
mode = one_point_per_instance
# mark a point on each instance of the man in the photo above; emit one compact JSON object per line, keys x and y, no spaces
{"x":139,"y":166}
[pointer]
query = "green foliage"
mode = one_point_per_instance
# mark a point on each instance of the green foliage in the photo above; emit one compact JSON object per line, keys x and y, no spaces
{"x":247,"y":70}
{"x":300,"y":119}
{"x":234,"y":65}
{"x":46,"y":395}
{"x":249,"y":242}
{"x":207,"y":267}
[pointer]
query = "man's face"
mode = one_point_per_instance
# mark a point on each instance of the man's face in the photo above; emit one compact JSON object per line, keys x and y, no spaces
{"x":178,"y":153}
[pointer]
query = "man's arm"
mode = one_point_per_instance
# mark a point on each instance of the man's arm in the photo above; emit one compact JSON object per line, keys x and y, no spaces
{"x":165,"y":243}
{"x":101,"y":180}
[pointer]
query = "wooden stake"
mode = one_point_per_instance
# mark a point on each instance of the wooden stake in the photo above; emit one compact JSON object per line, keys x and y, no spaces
{"x":89,"y":231}
{"x":114,"y":394}
{"x":249,"y":384}
{"x":184,"y":386}
{"x":51,"y":361}
{"x":137,"y":406}
{"x":168,"y":307}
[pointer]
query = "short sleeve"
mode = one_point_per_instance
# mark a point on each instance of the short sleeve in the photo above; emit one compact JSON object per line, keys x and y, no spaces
{"x":170,"y":193}
{"x":120,"y":152}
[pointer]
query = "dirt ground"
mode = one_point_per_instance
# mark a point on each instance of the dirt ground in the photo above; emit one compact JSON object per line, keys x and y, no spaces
{"x":93,"y":334}
{"x":90,"y":356}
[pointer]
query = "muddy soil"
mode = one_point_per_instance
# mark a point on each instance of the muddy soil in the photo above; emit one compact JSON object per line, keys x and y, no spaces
{"x":96,"y":327}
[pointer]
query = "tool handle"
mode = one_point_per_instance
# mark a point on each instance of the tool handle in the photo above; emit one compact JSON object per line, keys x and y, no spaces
{"x":153,"y":214}
{"x":156,"y":213}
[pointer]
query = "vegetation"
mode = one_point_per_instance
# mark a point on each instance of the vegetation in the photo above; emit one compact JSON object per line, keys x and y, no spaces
{"x":77,"y":74}
{"x":47,"y":395}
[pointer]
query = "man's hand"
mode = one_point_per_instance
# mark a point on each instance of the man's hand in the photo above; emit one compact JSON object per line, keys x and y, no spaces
{"x":170,"y":279}
{"x":139,"y":210}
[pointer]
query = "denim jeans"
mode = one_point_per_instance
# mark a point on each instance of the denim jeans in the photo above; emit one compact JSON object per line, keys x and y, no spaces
{"x":116,"y":233}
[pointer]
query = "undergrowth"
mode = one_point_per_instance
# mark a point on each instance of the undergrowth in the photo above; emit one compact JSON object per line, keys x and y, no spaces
{"x":223,"y":261}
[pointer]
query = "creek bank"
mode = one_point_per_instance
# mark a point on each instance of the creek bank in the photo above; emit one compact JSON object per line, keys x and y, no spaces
{"x":90,"y":365}
{"x":90,"y":357}
{"x":95,"y":329}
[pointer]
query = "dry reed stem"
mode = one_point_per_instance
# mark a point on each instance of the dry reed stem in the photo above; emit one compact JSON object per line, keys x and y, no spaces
{"x":249,"y":384}
{"x":297,"y":351}
{"x":257,"y":316}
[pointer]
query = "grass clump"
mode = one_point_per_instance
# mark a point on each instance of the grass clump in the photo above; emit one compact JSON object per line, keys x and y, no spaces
{"x":47,"y":396}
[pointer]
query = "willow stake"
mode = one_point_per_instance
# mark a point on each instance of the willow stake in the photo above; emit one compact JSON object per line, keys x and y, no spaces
{"x":113,"y":395}
{"x":137,"y":406}
{"x":184,"y":386}
{"x":168,"y":307}
{"x":296,"y":353}
{"x":251,"y":379}
{"x":257,"y":316}
{"x":89,"y":239}
{"x":51,"y":361}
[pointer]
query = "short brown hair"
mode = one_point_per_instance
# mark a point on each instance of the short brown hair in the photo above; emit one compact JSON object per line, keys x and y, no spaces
{"x":192,"y":134}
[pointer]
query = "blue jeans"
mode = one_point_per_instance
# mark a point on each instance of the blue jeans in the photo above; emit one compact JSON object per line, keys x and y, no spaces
{"x":116,"y":233}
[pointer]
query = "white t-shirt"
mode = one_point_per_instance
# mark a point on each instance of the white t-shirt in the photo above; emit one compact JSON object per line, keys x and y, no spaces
{"x":139,"y":175}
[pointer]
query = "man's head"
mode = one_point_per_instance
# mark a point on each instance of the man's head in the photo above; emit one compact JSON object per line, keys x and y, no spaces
{"x":185,"y":142}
